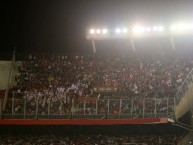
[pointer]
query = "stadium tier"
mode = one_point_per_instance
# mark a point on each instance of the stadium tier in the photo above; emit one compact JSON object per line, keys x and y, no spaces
{"x":90,"y":140}
{"x":125,"y":85}
{"x":162,"y":134}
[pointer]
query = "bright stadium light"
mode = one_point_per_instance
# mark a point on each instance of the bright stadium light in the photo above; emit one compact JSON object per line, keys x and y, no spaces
{"x":160,"y":28}
{"x":173,"y":28}
{"x":124,"y":30}
{"x":155,"y":28}
{"x":181,"y":27}
{"x":135,"y":29}
{"x":92,"y":31}
{"x":104,"y":31}
{"x":148,"y":29}
{"x":118,"y":31}
{"x":98,"y":31}
{"x":138,"y":29}
{"x":190,"y":26}
{"x":141,"y":29}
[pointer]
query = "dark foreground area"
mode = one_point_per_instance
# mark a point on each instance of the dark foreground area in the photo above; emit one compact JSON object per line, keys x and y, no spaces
{"x":150,"y":134}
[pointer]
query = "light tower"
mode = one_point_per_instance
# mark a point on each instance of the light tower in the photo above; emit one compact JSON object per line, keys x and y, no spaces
{"x":138,"y":32}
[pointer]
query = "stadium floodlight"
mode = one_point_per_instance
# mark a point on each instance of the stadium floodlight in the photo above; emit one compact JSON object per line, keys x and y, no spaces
{"x":138,"y":29}
{"x":92,"y":31}
{"x":155,"y":28}
{"x":183,"y":27}
{"x":104,"y":31}
{"x":148,"y":29}
{"x":118,"y":31}
{"x":173,"y":28}
{"x":142,"y":29}
{"x":190,"y":26}
{"x":180,"y":27}
{"x":160,"y":28}
{"x":124,"y":30}
{"x":98,"y":31}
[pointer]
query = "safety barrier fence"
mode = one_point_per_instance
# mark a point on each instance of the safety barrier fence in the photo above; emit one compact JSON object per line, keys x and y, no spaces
{"x":89,"y":108}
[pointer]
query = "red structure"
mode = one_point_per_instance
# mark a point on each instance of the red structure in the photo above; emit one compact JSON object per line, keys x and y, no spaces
{"x":84,"y":122}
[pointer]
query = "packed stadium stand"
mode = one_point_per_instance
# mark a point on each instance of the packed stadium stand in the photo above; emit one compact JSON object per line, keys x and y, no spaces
{"x":132,"y":85}
{"x":91,"y":135}
{"x":117,"y":86}
{"x":91,"y":140}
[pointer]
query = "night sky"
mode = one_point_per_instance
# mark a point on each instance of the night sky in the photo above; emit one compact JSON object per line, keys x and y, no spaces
{"x":61,"y":25}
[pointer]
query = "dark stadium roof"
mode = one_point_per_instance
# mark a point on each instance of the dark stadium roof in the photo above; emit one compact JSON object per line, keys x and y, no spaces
{"x":60,"y":25}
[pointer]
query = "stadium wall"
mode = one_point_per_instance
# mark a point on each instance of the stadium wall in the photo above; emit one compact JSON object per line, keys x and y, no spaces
{"x":5,"y":67}
{"x":188,"y":139}
{"x":85,"y":122}
{"x":185,"y":104}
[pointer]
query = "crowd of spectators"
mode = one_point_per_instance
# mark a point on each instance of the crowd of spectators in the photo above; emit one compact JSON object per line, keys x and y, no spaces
{"x":90,"y":140}
{"x":79,"y":74}
{"x":132,"y":75}
{"x":55,"y":80}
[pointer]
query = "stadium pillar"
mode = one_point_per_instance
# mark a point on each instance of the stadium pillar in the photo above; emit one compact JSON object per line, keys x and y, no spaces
{"x":49,"y":103}
{"x":12,"y":105}
{"x":132,"y":108}
{"x":93,"y":46}
{"x":24,"y":111}
{"x":143,"y":108}
{"x":108,"y":109}
{"x":167,"y":107}
{"x":132,"y":45}
{"x":155,"y":107}
{"x":172,"y":43}
{"x":37,"y":102}
{"x":60,"y":108}
{"x":0,"y":107}
{"x":96,"y":107}
{"x":84,"y":107}
{"x":120,"y":105}
{"x":72,"y":108}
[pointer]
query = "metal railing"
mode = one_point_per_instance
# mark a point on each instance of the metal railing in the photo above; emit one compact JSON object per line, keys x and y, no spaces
{"x":0,"y":108}
{"x":90,"y":108}
{"x":184,"y":87}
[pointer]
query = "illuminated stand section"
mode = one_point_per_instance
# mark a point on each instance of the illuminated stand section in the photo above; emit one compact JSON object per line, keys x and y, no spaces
{"x":139,"y":31}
